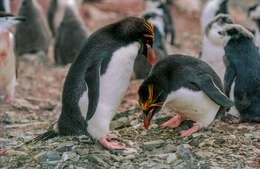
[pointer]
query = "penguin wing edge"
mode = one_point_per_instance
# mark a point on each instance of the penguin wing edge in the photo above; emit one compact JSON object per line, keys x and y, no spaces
{"x":206,"y":84}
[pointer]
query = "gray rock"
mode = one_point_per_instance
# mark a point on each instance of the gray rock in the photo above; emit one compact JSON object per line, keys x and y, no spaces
{"x":48,"y":156}
{"x":153,"y":145}
{"x":70,"y":156}
{"x":64,"y":147}
{"x":171,"y":158}
{"x":82,"y":150}
{"x":169,"y":148}
{"x":219,"y":141}
{"x":97,"y":159}
{"x":119,"y":123}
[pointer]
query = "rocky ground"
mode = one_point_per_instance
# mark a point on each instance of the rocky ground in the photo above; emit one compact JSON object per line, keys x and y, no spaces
{"x":38,"y":94}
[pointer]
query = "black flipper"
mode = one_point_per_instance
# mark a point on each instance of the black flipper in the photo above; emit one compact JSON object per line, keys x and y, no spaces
{"x":92,"y":78}
{"x":206,"y":84}
{"x":228,"y":79}
{"x":43,"y":137}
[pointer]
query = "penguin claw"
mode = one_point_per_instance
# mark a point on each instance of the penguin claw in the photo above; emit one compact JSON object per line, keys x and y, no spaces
{"x":110,"y":145}
{"x":190,"y":131}
{"x":173,"y":122}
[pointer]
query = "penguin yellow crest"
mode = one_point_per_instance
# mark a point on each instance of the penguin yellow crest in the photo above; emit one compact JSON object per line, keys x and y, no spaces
{"x":150,"y":101}
{"x":149,"y":29}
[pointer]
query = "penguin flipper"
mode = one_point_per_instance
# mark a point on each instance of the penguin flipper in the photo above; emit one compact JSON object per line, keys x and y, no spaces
{"x":228,"y":79}
{"x":92,"y":78}
{"x":206,"y":84}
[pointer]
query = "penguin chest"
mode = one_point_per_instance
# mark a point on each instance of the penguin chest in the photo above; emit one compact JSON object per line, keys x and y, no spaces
{"x":193,"y":105}
{"x":7,"y":61}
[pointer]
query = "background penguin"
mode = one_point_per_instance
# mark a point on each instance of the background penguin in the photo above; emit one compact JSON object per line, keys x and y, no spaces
{"x":7,"y":57}
{"x":212,"y":9}
{"x":254,"y":14}
{"x":33,"y":36}
{"x":141,"y":66}
{"x":243,"y":62}
{"x":99,"y":77}
{"x":5,"y":6}
{"x":55,"y":12}
{"x":157,"y":6}
{"x":186,"y":85}
{"x":211,"y":53}
{"x":70,"y":37}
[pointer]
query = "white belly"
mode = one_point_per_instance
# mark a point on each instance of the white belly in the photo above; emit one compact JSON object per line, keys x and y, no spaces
{"x":113,"y":85}
{"x":233,"y":110}
{"x":213,"y":55}
{"x":193,"y":105}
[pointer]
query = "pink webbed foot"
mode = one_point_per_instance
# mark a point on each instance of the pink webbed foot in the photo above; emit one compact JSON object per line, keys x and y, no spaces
{"x":9,"y":99}
{"x":110,"y":145}
{"x":111,"y":136}
{"x":173,"y":122}
{"x":188,"y":132}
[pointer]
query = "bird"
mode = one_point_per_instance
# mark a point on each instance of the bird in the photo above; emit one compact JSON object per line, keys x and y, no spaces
{"x":32,"y":37}
{"x":141,"y":66}
{"x":70,"y":36}
{"x":212,"y":9}
{"x":242,"y":70}
{"x":98,"y":79}
{"x":8,"y":66}
{"x":254,"y":15}
{"x":211,"y":53}
{"x":187,"y":86}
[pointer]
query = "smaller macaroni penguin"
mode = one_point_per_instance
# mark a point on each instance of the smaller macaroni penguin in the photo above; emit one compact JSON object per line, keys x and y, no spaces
{"x":242,"y":70}
{"x":99,"y":77}
{"x":186,"y":85}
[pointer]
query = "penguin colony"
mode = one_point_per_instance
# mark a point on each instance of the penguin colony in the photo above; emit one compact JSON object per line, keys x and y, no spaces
{"x":95,"y":83}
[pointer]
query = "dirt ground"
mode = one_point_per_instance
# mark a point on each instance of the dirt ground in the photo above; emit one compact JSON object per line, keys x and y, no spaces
{"x":40,"y":83}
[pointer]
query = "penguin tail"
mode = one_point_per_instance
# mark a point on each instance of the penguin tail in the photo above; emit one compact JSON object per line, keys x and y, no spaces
{"x":43,"y":137}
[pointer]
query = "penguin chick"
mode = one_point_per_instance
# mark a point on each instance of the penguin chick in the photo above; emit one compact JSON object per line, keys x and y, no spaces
{"x":141,"y":66}
{"x":212,"y":9}
{"x":32,"y":36}
{"x":211,"y":53}
{"x":186,"y":85}
{"x":99,"y":77}
{"x":70,"y":37}
{"x":242,"y":70}
{"x":254,"y":14}
{"x":7,"y":57}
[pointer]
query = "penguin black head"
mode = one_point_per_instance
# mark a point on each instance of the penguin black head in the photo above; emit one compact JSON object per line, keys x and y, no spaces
{"x":151,"y":99}
{"x":134,"y":28}
{"x":232,"y":32}
{"x":254,"y":12}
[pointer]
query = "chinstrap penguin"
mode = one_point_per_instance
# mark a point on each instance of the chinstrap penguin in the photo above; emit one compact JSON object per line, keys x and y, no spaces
{"x":8,"y":66}
{"x":211,"y":53}
{"x":141,"y":66}
{"x":70,"y":37}
{"x":242,"y":70}
{"x":212,"y":9}
{"x":98,"y":79}
{"x":186,"y":85}
{"x":33,"y":36}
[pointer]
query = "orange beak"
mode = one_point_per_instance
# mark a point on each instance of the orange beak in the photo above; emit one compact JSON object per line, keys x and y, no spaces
{"x":151,"y":55}
{"x":147,"y":120}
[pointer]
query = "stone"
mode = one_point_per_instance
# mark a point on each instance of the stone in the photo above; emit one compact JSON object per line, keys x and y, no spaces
{"x":219,"y":141}
{"x":171,"y":158}
{"x":153,"y":145}
{"x":70,"y":156}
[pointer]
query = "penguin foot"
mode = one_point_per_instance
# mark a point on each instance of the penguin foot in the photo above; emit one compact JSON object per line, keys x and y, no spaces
{"x":110,"y":145}
{"x":9,"y":99}
{"x":173,"y":122}
{"x":111,"y":136}
{"x":188,"y":132}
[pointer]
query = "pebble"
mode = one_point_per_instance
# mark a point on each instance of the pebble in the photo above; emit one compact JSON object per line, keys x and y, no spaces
{"x":171,"y":158}
{"x":219,"y":141}
{"x":153,"y":144}
{"x":70,"y":156}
